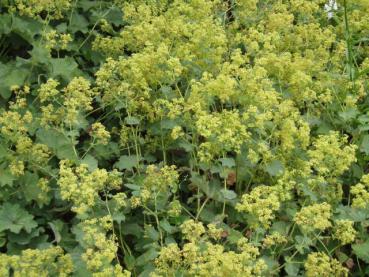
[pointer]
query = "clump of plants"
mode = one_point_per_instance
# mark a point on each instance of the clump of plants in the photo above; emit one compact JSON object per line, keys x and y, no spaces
{"x":184,"y":138}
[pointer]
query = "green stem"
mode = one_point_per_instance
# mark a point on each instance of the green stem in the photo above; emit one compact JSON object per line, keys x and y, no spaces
{"x":350,"y":58}
{"x":202,"y":207}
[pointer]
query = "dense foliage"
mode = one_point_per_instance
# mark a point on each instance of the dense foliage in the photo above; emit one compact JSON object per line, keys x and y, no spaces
{"x":184,"y":138}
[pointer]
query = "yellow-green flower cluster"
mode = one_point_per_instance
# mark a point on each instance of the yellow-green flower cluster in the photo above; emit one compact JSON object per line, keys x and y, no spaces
{"x":194,"y":35}
{"x":121,"y":199}
{"x":175,"y":208}
{"x":331,"y":156}
{"x":224,"y":132}
{"x":78,"y":97}
{"x":262,"y":203}
{"x":177,"y":132}
{"x":36,"y":153}
{"x":192,"y":230}
{"x":36,"y":262}
{"x":169,"y":261}
{"x":214,"y":232}
{"x":67,"y":104}
{"x":171,"y":109}
{"x":314,"y":217}
{"x":360,"y":193}
{"x":163,"y":179}
{"x":20,"y":97}
{"x":319,"y":264}
{"x":43,"y":196}
{"x":344,"y":231}
{"x":223,"y":87}
{"x":100,"y":248}
{"x":55,"y":40}
{"x":33,"y":8}
{"x":209,"y":260}
{"x":48,"y":90}
{"x":99,"y":133}
{"x":140,"y":72}
{"x":17,"y":168}
{"x":14,"y":125}
{"x":82,"y":187}
{"x":274,"y":239}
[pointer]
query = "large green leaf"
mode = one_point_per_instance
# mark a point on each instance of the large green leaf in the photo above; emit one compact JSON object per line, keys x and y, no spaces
{"x":10,"y":75}
{"x":146,"y":257}
{"x":15,"y":218}
{"x":361,"y":250}
{"x":274,"y":168}
{"x":62,"y":146}
{"x":364,"y":146}
{"x":65,"y":68}
{"x":6,"y":178}
{"x":126,"y":162}
{"x":26,"y":27}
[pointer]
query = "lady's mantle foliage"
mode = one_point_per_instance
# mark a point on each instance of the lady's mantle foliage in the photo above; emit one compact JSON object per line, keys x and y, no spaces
{"x":184,"y":138}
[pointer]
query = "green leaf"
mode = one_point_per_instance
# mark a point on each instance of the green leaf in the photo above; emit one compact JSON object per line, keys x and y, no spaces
{"x":152,"y":233}
{"x":3,"y":150}
{"x":129,"y":261}
{"x":29,"y":186}
{"x":346,"y":212}
{"x":6,"y":178}
{"x":228,"y":162}
{"x":132,"y":229}
{"x":39,"y":54}
{"x":2,"y":241}
{"x":270,"y":262}
{"x":60,"y":144}
{"x":148,"y":256}
{"x":233,"y":235}
{"x":228,"y":194}
{"x":361,"y":250}
{"x":66,"y":68}
{"x":302,"y":243}
{"x":188,"y":147}
{"x":292,"y":269}
{"x":55,"y":228}
{"x":133,"y":187}
{"x":118,"y":217}
{"x":15,"y":218}
{"x":115,"y":16}
{"x":80,"y":268}
{"x":5,"y":23}
{"x":364,"y":146}
{"x":275,"y":168}
{"x":90,"y":161}
{"x":167,"y":227}
{"x":348,"y":114}
{"x":78,"y":23}
{"x":211,"y":189}
{"x":131,"y":120}
{"x":26,"y":27}
{"x":281,"y":227}
{"x":24,"y":238}
{"x":10,"y":75}
{"x":126,"y":162}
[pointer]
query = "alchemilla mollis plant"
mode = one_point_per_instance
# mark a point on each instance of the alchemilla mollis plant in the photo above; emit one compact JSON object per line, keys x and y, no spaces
{"x":212,"y":138}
